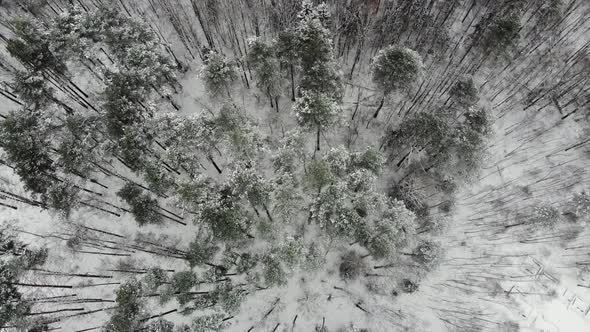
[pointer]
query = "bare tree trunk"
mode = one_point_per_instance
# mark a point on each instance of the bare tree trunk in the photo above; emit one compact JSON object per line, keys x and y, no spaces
{"x":318,"y":139}
{"x":292,"y":83}
{"x":379,"y":107}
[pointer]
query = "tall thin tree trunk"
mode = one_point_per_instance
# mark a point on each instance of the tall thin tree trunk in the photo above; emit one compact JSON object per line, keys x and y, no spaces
{"x":318,"y":139}
{"x":379,"y":108}
{"x":215,"y":164}
{"x":292,"y":83}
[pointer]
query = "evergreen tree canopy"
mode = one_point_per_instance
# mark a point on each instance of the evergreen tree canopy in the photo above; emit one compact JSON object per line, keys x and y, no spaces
{"x":24,"y":140}
{"x":396,"y":68}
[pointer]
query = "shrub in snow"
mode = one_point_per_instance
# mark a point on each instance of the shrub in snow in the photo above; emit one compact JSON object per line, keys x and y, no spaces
{"x":290,"y":251}
{"x":246,"y":262}
{"x":426,"y":252}
{"x":547,"y":216}
{"x":581,"y":204}
{"x":319,"y":175}
{"x":351,"y":266}
{"x":370,"y":159}
{"x":509,"y":326}
{"x":321,"y":328}
{"x":274,"y":274}
{"x":209,"y":323}
{"x":160,"y":325}
{"x":314,"y":258}
{"x":287,"y":198}
{"x":408,"y":286}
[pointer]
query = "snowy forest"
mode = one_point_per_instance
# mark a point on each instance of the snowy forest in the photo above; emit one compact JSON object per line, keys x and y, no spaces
{"x":294,"y":165}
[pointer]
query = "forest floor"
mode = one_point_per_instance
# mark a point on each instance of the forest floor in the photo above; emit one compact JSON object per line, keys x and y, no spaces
{"x":494,"y":269}
{"x":491,"y":273}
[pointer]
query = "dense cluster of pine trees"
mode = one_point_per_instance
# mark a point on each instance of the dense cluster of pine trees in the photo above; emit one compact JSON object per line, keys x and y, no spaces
{"x":99,"y":127}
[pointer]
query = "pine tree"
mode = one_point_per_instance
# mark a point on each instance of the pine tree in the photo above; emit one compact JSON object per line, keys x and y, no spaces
{"x":287,"y":197}
{"x":12,"y":305}
{"x":288,"y":54}
{"x":319,"y":175}
{"x":150,"y":66}
{"x":62,"y":196}
{"x":245,"y":182}
{"x":502,"y":36}
{"x":226,"y":219}
{"x":200,"y":251}
{"x":26,"y":144}
{"x":370,"y":160}
{"x":154,"y":278}
{"x":423,"y":130}
{"x":316,"y":112}
{"x":238,"y":132}
{"x":188,"y":140}
{"x":319,"y":74}
{"x":219,"y":74}
{"x":262,"y":56}
{"x":332,"y":212}
{"x":181,"y":283}
{"x":31,"y":47}
{"x":229,"y":297}
{"x":197,"y":193}
{"x":130,"y":311}
{"x":32,"y":90}
{"x":123,"y":91}
{"x":77,"y":149}
{"x":290,"y":251}
{"x":68,"y":35}
{"x":464,"y":93}
{"x":16,"y":260}
{"x":143,"y":206}
{"x":157,"y":179}
{"x":395,"y":69}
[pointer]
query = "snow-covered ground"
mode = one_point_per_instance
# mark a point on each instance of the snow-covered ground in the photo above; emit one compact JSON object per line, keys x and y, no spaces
{"x":489,"y":276}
